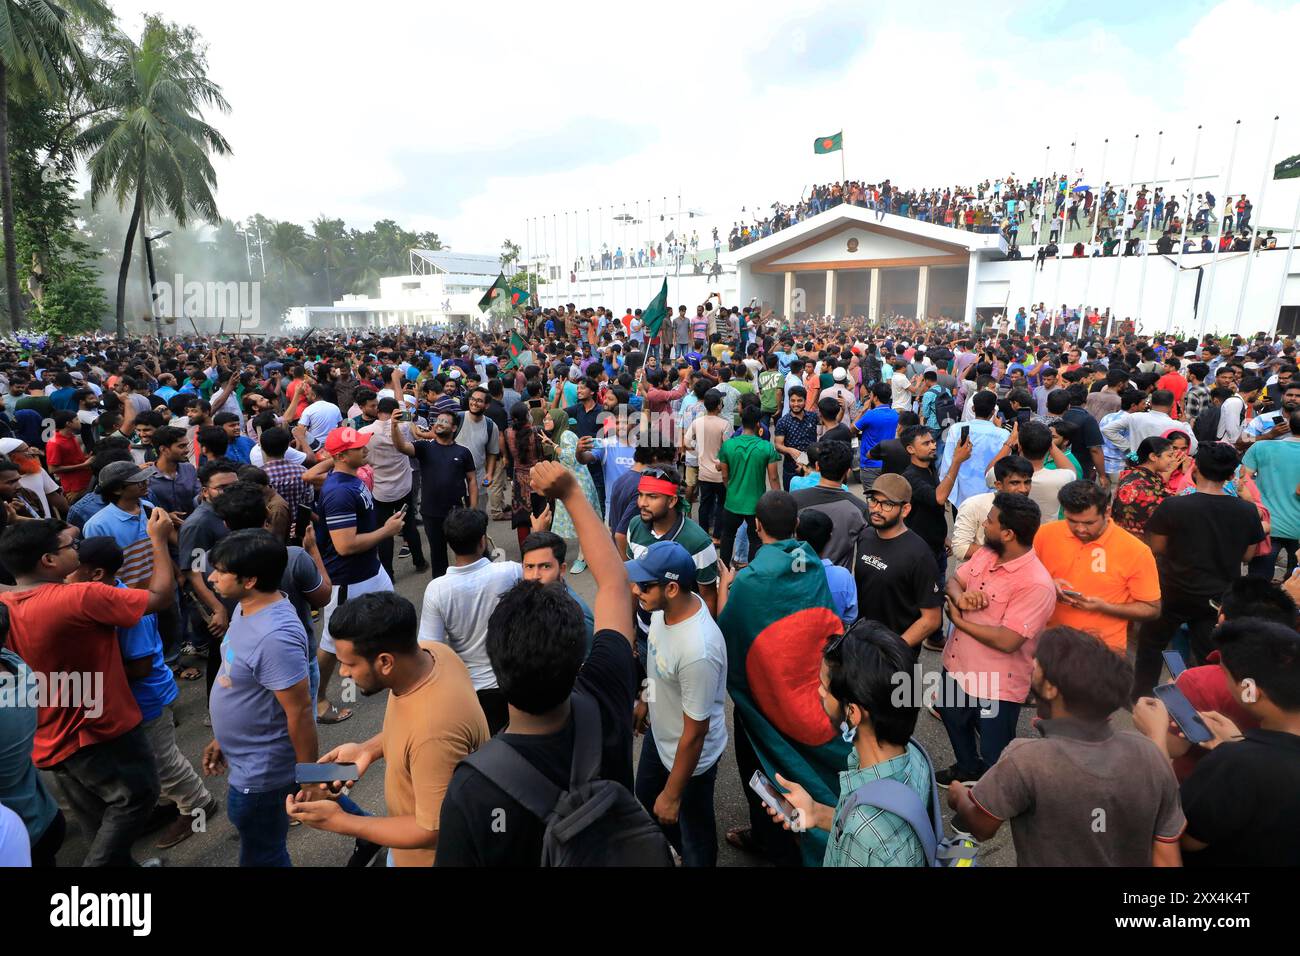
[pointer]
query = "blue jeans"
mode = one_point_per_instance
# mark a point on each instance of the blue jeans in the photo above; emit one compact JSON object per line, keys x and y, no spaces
{"x":262,"y":824}
{"x":695,"y":834}
{"x":979,"y":730}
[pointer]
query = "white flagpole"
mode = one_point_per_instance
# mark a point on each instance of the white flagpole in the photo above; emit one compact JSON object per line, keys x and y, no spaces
{"x":1060,"y":231}
{"x":1037,"y":216}
{"x":1096,"y":218}
{"x":1259,"y":207}
{"x":1146,"y":245}
{"x":1128,"y":204}
{"x":1208,"y":298}
{"x":1182,"y":239}
{"x":1286,"y":269}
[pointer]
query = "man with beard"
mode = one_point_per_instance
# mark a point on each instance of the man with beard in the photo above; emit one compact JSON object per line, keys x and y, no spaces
{"x":895,"y":572}
{"x":1080,"y":773}
{"x":432,"y":720}
{"x":930,"y":494}
{"x":1272,"y":426}
{"x":998,"y":603}
{"x":858,"y":694}
{"x":448,"y":480}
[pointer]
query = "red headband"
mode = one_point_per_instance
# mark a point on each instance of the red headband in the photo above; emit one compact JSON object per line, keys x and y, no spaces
{"x":651,"y":485}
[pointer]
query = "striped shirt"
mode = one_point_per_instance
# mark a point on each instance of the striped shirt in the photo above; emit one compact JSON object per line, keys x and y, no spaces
{"x":129,"y":531}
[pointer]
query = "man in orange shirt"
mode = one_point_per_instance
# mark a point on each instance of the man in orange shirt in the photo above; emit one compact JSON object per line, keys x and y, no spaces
{"x":1105,"y":577}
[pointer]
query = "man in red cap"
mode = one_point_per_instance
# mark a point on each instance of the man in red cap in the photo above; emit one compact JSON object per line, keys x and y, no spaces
{"x":348,"y":535}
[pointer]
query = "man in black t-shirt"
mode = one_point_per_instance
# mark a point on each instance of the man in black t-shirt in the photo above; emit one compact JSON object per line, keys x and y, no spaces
{"x":536,"y":643}
{"x":1242,"y":799}
{"x":929,"y":492}
{"x":895,"y":572}
{"x":1200,"y":542}
{"x":447,"y":481}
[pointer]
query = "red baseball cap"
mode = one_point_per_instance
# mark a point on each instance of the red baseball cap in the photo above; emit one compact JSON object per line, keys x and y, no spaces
{"x":345,"y":439}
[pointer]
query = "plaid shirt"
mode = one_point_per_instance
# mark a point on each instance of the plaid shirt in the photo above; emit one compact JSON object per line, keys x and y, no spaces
{"x":874,"y":837}
{"x":1195,"y":401}
{"x":286,"y":479}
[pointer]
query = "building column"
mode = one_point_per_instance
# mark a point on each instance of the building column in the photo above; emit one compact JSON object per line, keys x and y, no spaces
{"x":922,"y":291}
{"x":830,"y":292}
{"x":873,"y":308}
{"x":972,"y":286}
{"x":788,"y":299}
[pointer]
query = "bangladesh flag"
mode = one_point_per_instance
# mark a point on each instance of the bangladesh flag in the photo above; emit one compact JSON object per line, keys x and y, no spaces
{"x":778,"y":617}
{"x":655,"y":313}
{"x":494,"y":292}
{"x":828,"y":144}
{"x":518,"y":296}
{"x":1288,"y":168}
{"x":520,"y":354}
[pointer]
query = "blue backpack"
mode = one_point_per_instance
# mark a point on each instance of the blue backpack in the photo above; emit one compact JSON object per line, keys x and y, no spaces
{"x":898,"y":798}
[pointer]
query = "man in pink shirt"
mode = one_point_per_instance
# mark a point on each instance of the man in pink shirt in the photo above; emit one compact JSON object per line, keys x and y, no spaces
{"x":999,"y":601}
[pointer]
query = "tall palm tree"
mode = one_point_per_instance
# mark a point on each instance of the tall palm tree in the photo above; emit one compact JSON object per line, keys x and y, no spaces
{"x":288,"y":243}
{"x":38,"y":42}
{"x":152,"y":146}
{"x":329,"y":247}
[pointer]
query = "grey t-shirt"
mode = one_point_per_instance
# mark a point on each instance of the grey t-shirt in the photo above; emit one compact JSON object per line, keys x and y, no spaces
{"x":1083,"y":795}
{"x":260,"y":655}
{"x":301,"y":576}
{"x":474,"y":435}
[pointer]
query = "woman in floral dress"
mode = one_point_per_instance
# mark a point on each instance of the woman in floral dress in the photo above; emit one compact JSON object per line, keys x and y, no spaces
{"x":1141,"y":489}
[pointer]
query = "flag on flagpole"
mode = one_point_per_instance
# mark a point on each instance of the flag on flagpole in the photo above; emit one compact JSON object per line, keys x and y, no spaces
{"x":518,"y":296}
{"x":828,"y":144}
{"x":1288,"y":168}
{"x":498,"y":288}
{"x":655,"y":313}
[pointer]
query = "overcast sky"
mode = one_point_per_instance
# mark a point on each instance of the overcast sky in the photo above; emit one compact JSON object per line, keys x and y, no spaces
{"x":469,"y":118}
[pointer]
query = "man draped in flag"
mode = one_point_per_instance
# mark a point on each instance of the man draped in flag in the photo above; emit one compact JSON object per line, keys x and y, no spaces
{"x":779,"y":614}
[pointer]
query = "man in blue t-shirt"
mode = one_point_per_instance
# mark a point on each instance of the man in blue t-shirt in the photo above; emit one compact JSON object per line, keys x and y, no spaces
{"x":154,"y":689}
{"x":877,"y":424}
{"x":262,"y":721}
{"x":348,"y":535}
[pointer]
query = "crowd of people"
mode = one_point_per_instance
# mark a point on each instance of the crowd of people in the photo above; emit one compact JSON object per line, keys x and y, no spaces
{"x":1044,"y":211}
{"x":1011,"y":531}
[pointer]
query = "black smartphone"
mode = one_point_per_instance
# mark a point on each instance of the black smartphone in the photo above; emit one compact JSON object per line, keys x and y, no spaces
{"x":324,"y":772}
{"x":963,"y":435}
{"x":300,"y":523}
{"x":1174,"y":661}
{"x":1183,"y":713}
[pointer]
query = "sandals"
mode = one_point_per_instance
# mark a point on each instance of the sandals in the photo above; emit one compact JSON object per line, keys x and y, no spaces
{"x":742,"y":838}
{"x":186,"y":673}
{"x":333,"y":715}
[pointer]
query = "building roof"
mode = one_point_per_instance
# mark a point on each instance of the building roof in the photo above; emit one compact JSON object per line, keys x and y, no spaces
{"x":837,"y":218}
{"x":461,"y":262}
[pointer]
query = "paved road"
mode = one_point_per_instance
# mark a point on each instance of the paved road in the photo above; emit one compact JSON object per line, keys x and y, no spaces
{"x":219,"y":846}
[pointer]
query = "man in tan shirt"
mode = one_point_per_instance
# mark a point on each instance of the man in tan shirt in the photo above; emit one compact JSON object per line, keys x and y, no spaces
{"x":432,"y":721}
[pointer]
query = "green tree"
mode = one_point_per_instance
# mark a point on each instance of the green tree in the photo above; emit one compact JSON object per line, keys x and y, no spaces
{"x":329,"y":249}
{"x":151,"y":147}
{"x":287,"y":244}
{"x":39,"y":45}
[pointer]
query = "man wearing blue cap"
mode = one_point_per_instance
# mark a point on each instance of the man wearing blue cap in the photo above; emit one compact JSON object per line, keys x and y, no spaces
{"x":686,"y":671}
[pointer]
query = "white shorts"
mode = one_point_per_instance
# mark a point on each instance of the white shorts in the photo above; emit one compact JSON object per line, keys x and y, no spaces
{"x":345,"y":592}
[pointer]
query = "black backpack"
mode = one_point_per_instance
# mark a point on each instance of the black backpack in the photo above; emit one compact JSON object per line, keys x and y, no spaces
{"x":1206,"y":426}
{"x":595,"y":822}
{"x":945,"y":409}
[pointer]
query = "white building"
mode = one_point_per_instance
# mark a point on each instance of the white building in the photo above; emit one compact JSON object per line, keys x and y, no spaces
{"x":847,"y":261}
{"x":443,"y":289}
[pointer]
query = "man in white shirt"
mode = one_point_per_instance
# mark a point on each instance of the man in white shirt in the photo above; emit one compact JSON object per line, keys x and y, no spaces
{"x":1142,"y":425}
{"x":686,"y":666}
{"x":1232,"y":413}
{"x":322,"y":415}
{"x":458,"y":605}
{"x":900,"y":387}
